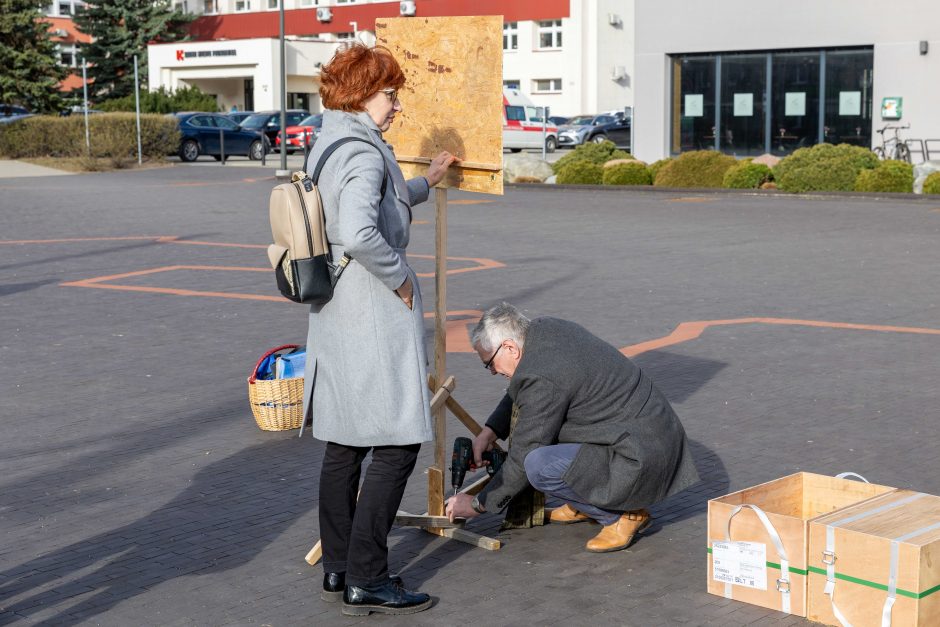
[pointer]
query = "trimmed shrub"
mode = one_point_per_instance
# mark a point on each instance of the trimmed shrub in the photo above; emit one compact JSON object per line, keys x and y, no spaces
{"x":164,"y":101}
{"x":113,"y":136}
{"x":631,"y":173}
{"x":746,"y":175}
{"x":656,"y":166}
{"x":889,"y":176}
{"x":823,"y":167}
{"x":593,"y":153}
{"x":699,"y":168}
{"x":932,"y":184}
{"x":580,"y":173}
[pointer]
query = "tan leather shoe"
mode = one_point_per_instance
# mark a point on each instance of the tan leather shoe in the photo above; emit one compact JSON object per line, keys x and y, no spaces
{"x":620,"y":534}
{"x":566,"y":515}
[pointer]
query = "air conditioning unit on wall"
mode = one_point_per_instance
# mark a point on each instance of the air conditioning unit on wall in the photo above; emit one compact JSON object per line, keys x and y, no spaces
{"x":324,"y":14}
{"x":408,"y":8}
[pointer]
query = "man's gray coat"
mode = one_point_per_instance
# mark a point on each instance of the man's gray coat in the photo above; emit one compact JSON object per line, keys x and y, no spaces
{"x":366,"y":376}
{"x":572,"y":387}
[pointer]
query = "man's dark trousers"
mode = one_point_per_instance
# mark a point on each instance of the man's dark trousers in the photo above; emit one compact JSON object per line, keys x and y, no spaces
{"x":355,"y":533}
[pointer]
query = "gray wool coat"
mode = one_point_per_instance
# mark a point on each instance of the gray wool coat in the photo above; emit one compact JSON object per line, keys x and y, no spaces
{"x":572,"y":387}
{"x":365,"y":382}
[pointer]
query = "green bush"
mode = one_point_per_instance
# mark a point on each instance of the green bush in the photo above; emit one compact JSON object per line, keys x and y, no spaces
{"x":823,"y":167}
{"x":593,"y":153}
{"x":632,"y":173}
{"x":889,"y":176}
{"x":932,"y":184}
{"x":656,"y":166}
{"x":112,"y":135}
{"x":164,"y":101}
{"x":746,"y":175}
{"x":699,"y":168}
{"x":580,"y":173}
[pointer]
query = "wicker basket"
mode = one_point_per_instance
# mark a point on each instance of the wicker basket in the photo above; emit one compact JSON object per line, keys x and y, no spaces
{"x":277,"y":404}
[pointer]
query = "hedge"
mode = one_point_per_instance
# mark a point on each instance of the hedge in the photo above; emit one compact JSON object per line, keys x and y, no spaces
{"x":698,"y":168}
{"x":592,"y":153}
{"x":746,"y":175}
{"x":823,"y":167}
{"x":889,"y":176}
{"x":932,"y":184}
{"x":580,"y":173}
{"x":656,"y":166}
{"x":164,"y":101}
{"x":113,"y":135}
{"x":631,"y":173}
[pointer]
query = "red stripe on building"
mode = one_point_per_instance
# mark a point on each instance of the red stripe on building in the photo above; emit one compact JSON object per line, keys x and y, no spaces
{"x":301,"y":22}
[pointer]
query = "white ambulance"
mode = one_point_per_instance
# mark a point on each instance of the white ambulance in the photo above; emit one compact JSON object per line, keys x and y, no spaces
{"x":522,"y":124}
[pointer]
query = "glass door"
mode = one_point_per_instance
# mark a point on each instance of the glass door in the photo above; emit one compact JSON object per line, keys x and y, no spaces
{"x":741,"y":125}
{"x":848,"y":97}
{"x":794,"y":101}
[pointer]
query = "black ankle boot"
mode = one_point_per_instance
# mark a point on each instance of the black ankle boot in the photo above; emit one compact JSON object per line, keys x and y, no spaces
{"x":333,"y":586}
{"x":335,"y":583}
{"x":387,"y":598}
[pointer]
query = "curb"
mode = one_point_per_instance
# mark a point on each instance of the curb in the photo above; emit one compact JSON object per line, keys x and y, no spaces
{"x":720,"y":191}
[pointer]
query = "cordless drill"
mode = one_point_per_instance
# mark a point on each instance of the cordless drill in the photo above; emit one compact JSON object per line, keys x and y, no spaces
{"x":462,"y":461}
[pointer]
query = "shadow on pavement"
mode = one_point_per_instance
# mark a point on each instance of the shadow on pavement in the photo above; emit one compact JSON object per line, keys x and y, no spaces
{"x":235,"y":507}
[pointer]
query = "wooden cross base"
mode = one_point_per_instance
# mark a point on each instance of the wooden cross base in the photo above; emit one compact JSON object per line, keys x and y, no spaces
{"x":434,"y":520}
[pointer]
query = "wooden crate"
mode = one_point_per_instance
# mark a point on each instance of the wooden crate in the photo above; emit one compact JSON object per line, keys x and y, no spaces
{"x":789,"y":503}
{"x":864,"y":537}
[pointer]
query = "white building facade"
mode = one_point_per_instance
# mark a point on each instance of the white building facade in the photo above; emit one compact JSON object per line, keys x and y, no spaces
{"x":753,"y":76}
{"x":574,"y":56}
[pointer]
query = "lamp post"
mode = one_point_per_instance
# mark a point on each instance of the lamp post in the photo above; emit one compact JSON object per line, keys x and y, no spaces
{"x":283,"y":172}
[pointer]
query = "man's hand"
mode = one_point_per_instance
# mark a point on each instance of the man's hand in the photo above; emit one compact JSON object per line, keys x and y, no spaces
{"x":438,"y":168}
{"x":459,"y":507}
{"x":483,"y":442}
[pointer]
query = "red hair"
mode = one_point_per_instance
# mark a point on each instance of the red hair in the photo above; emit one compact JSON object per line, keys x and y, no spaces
{"x":357,"y":72}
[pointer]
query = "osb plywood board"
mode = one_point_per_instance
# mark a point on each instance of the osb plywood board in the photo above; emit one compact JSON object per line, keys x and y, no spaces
{"x":453,"y":96}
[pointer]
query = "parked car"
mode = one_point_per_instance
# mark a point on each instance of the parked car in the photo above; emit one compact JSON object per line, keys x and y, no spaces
{"x":306,"y":132}
{"x":12,"y":113}
{"x":597,"y":128}
{"x":269,"y":122}
{"x":239,"y":116}
{"x":558,"y":120}
{"x":200,"y":136}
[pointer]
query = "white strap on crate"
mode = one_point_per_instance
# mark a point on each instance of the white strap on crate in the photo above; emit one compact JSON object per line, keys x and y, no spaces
{"x":783,"y":584}
{"x":829,"y":557}
{"x":846,"y":475}
{"x":893,"y":572}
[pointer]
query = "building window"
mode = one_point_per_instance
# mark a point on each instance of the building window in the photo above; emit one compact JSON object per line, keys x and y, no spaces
{"x":546,"y":86}
{"x":68,"y":56}
{"x":307,"y":3}
{"x":549,"y":33}
{"x":511,"y":36}
{"x":272,"y":4}
{"x":210,"y":6}
{"x":242,"y":5}
{"x":752,"y":103}
{"x":512,"y":83}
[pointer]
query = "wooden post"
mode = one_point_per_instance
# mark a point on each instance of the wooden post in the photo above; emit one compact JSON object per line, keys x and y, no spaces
{"x":440,"y":345}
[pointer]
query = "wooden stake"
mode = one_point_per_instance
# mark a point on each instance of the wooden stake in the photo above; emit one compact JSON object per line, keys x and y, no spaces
{"x":440,"y":326}
{"x":435,"y":492}
{"x":441,"y":395}
{"x":315,"y":553}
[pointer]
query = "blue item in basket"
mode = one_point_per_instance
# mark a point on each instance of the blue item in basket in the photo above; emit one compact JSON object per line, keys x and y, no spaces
{"x":266,"y":369}
{"x":292,"y":364}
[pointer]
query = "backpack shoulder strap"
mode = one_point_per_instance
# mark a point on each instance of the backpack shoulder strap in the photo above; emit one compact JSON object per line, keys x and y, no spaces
{"x":332,"y":148}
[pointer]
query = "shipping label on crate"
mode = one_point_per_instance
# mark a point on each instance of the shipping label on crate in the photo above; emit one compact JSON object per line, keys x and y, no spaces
{"x":740,"y":563}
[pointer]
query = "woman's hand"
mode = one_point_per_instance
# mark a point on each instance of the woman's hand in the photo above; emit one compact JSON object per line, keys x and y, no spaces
{"x":438,"y":168}
{"x":406,"y":292}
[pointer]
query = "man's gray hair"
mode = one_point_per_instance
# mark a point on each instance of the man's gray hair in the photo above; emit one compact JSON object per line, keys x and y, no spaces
{"x":502,"y":322}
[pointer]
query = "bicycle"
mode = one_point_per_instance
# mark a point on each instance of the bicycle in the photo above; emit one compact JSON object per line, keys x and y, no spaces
{"x":893,"y":147}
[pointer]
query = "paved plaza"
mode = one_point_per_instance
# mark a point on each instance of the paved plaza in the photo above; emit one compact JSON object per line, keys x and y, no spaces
{"x":135,"y":488}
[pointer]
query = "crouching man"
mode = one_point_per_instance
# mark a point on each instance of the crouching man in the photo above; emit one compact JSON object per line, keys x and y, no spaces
{"x":592,"y":430}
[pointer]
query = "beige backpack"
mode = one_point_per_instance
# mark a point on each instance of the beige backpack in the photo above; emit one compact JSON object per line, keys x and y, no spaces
{"x":300,"y":254}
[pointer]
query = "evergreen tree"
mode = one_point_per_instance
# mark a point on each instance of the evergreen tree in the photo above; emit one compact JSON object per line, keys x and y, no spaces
{"x":29,"y":65}
{"x":120,"y":29}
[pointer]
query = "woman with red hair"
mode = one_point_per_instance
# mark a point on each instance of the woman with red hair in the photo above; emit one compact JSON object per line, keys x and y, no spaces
{"x":366,"y":373}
